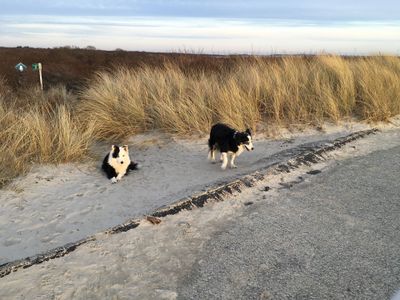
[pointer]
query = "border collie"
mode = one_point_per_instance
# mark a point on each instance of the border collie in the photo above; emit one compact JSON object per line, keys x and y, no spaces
{"x":117,"y":163}
{"x":229,"y":142}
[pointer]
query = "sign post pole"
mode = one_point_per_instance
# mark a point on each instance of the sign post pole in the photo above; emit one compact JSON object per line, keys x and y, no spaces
{"x":40,"y":76}
{"x":35,"y":67}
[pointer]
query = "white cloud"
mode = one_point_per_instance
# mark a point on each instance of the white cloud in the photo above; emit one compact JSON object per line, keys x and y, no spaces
{"x":206,"y":34}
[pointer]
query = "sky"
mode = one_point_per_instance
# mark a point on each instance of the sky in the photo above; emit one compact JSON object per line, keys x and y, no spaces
{"x":220,"y":26}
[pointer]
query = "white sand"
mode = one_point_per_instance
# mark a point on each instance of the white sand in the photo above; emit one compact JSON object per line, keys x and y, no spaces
{"x":54,"y":205}
{"x":144,"y":263}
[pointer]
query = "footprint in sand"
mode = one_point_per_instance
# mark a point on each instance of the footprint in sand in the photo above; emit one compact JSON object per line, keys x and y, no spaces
{"x":46,"y":239}
{"x":86,"y":211}
{"x":102,"y":189}
{"x":57,"y":218}
{"x":46,"y":281}
{"x":49,"y":238}
{"x":73,"y":197}
{"x":11,"y":241}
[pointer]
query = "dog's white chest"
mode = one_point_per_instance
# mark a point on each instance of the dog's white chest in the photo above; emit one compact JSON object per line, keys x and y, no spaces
{"x":240,"y":150}
{"x":118,"y":167}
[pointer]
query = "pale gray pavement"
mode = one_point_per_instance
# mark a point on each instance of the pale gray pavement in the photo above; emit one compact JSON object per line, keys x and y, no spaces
{"x":334,"y":237}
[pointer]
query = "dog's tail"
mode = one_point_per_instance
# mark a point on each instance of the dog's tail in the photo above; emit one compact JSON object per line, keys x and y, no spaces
{"x":133,"y":166}
{"x":211,"y":143}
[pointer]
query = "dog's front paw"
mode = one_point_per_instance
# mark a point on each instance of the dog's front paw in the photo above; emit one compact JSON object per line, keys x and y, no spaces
{"x":233,"y":166}
{"x":114,"y":180}
{"x":223,"y":167}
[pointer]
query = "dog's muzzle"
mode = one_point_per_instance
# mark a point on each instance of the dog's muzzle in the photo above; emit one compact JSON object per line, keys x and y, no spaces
{"x":248,"y":148}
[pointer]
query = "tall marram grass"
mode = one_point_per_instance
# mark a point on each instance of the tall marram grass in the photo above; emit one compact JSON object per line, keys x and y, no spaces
{"x":57,"y":126}
{"x":129,"y":101}
{"x":285,"y":91}
{"x":39,"y":128}
{"x":377,"y":87}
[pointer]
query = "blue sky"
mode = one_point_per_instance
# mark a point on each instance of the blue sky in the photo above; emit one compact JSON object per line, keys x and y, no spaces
{"x":261,"y":27}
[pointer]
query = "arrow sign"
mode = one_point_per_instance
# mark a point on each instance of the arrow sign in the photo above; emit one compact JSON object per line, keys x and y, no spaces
{"x":20,"y":67}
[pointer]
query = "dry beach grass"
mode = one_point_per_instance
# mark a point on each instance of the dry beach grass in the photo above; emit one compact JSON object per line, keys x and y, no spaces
{"x":57,"y":126}
{"x":291,"y":90}
{"x":39,"y":128}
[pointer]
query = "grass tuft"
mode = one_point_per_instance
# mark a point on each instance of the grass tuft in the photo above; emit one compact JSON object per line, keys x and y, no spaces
{"x":39,"y":131}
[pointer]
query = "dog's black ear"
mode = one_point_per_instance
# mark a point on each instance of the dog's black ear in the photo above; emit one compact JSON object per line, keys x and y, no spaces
{"x":248,"y":131}
{"x":236,"y":137}
{"x":114,"y":151}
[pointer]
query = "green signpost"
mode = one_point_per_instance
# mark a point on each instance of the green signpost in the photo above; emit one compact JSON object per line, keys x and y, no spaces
{"x":35,"y":67}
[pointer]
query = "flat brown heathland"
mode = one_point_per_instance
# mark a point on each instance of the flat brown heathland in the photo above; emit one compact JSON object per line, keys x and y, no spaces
{"x":98,"y":95}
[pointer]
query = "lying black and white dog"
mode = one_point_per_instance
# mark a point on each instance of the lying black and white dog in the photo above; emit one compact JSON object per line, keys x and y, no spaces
{"x":117,"y":163}
{"x":228,"y":141}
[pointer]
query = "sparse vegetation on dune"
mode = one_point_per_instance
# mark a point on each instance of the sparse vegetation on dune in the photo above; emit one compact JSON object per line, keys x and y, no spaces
{"x":40,"y":128}
{"x":57,"y":126}
{"x":377,"y":83}
{"x":290,"y":90}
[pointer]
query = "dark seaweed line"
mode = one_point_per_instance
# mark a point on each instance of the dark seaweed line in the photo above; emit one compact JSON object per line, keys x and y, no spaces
{"x":219,"y":193}
{"x":306,"y":157}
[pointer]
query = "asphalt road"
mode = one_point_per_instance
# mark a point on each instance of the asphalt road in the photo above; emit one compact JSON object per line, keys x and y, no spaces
{"x":336,"y":236}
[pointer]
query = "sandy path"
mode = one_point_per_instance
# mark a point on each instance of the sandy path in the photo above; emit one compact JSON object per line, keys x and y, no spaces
{"x":150,"y":261}
{"x":52,"y":206}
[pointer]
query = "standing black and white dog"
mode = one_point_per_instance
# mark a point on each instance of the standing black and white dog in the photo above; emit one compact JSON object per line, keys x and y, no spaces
{"x":229,"y":142}
{"x":117,"y":163}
